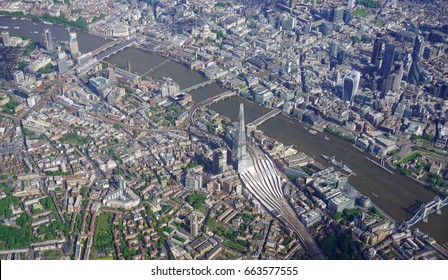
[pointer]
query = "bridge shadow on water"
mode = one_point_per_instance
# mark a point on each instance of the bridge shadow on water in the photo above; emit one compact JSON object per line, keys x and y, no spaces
{"x":413,"y":208}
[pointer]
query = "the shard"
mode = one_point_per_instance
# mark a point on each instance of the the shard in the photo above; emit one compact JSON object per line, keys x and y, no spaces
{"x":239,"y":152}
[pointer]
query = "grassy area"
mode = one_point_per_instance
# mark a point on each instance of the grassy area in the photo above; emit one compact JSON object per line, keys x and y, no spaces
{"x":424,"y":143}
{"x":74,"y":139}
{"x":103,"y":233}
{"x":214,"y":226}
{"x":361,"y":13}
{"x":234,"y":246}
{"x":52,"y":255}
{"x":410,"y":157}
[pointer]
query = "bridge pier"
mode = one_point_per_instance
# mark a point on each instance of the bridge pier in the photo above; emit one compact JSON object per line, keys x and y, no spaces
{"x":439,"y":211}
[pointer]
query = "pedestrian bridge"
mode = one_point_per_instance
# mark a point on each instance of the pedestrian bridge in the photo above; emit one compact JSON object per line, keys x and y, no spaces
{"x":208,"y":82}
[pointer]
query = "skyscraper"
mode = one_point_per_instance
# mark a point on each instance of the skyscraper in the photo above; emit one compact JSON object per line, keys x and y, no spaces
{"x":48,"y":40}
{"x":338,"y":15}
{"x":334,"y":46}
{"x":441,"y":90}
{"x":351,"y":4}
{"x":417,"y":49}
{"x":376,"y":53}
{"x":239,"y":153}
{"x":398,"y":76}
{"x":219,"y":161}
{"x":73,"y":45}
{"x":414,"y":73}
{"x":194,"y":225}
{"x":389,"y":58}
{"x":62,"y":66}
{"x":5,"y":38}
{"x":351,"y":83}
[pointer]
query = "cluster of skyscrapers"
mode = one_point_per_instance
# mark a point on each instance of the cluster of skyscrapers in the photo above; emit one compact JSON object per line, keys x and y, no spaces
{"x":72,"y":43}
{"x":390,"y":67}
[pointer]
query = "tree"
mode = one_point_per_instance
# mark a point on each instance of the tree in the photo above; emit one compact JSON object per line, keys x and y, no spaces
{"x":84,"y":191}
{"x":428,"y":137}
{"x":337,"y":216}
{"x":355,"y":39}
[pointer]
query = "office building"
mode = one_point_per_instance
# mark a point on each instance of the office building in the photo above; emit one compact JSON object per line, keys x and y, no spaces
{"x":48,"y":40}
{"x":193,"y":181}
{"x":351,"y":4}
{"x":376,"y":53}
{"x":441,"y":90}
{"x":417,"y":49}
{"x":73,"y":45}
{"x":351,"y":83}
{"x":6,"y":40}
{"x":18,"y":77}
{"x":239,"y":153}
{"x":398,"y":76}
{"x":334,"y":46}
{"x":219,"y":161}
{"x":389,"y":58}
{"x":414,"y":73}
{"x":338,"y":15}
{"x":62,"y":66}
{"x":340,"y":203}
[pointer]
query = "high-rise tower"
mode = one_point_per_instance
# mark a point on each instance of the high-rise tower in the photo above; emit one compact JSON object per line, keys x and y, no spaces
{"x":389,"y":57}
{"x":73,"y":45}
{"x":417,"y":49}
{"x":219,"y":161}
{"x":5,"y":38}
{"x":414,"y":73}
{"x":48,"y":40}
{"x":351,"y":83}
{"x":239,"y":153}
{"x":376,"y":53}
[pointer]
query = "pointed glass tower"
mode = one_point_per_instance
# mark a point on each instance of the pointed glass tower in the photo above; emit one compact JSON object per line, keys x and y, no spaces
{"x":239,"y":153}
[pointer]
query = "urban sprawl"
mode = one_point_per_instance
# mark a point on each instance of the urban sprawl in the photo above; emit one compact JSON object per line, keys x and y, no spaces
{"x":98,"y":161}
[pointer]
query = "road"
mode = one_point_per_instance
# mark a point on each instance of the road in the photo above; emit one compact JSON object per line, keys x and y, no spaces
{"x":54,"y":87}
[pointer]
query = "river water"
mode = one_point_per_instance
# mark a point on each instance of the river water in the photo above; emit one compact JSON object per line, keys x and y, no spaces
{"x":396,"y":193}
{"x":87,"y":42}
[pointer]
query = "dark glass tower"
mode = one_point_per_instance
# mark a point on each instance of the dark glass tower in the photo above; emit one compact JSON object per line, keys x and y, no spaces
{"x":389,"y":58}
{"x":414,"y":73}
{"x":376,"y":53}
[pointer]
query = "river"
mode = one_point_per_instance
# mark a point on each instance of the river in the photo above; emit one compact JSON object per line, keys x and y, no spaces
{"x":396,"y":193}
{"x":87,"y":42}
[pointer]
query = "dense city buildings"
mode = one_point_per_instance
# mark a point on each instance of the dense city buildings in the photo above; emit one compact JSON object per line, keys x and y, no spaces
{"x":223,"y":129}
